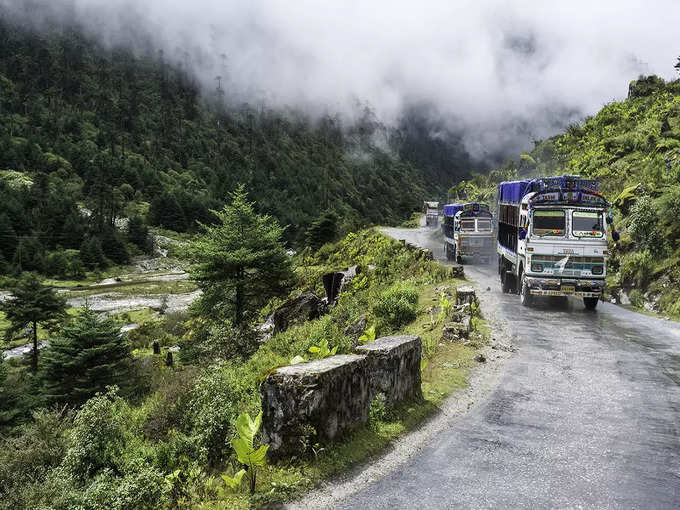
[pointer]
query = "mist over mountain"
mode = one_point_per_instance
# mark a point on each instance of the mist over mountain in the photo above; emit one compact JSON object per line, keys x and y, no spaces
{"x":498,"y":74}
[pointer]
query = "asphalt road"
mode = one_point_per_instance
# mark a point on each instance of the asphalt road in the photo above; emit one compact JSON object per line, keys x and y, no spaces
{"x":587,"y":415}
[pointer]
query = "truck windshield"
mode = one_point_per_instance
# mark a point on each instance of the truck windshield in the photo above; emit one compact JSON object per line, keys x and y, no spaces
{"x":483,"y":225}
{"x":587,"y":224}
{"x":467,"y":225}
{"x":549,"y":222}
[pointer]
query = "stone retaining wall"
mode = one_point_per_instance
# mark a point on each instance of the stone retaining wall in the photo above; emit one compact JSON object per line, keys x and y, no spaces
{"x":395,"y":367}
{"x":322,"y":399}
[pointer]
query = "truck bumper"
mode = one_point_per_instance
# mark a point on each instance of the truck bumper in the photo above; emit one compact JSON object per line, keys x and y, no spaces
{"x":565,"y":287}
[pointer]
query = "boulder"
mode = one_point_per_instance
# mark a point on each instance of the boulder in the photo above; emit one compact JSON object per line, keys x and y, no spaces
{"x":334,"y":282}
{"x":456,"y":331}
{"x":465,"y":295}
{"x":356,"y":329}
{"x":304,"y":307}
{"x":457,"y":271}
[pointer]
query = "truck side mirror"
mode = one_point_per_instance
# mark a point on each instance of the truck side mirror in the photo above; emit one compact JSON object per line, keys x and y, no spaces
{"x":522,"y":234}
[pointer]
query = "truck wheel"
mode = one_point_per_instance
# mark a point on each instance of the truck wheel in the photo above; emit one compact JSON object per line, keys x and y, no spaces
{"x":524,"y":293}
{"x":506,"y":282}
{"x":590,"y":302}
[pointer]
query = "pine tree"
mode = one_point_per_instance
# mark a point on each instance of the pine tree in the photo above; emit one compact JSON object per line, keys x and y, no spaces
{"x":323,"y":230}
{"x":138,"y":234}
{"x":240,"y":263}
{"x":32,"y":304}
{"x":8,"y":238}
{"x":89,"y":354}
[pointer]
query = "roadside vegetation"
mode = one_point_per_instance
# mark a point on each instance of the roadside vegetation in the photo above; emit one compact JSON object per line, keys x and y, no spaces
{"x":633,"y":148}
{"x":153,"y":427}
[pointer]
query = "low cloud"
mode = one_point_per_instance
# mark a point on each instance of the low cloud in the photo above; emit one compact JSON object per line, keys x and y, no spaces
{"x":501,"y":73}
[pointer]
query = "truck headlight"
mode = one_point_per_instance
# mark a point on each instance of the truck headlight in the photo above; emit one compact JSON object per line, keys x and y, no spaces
{"x":537,"y":268}
{"x":598,"y":269}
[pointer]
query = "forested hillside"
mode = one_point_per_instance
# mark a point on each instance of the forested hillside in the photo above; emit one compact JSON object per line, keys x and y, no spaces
{"x":633,"y":148}
{"x":90,"y":134}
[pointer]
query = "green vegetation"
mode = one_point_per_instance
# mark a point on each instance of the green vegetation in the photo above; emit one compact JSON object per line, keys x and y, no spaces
{"x":633,"y":148}
{"x":32,"y":304}
{"x":173,"y":443}
{"x":97,"y":144}
{"x":239,"y":263}
{"x":88,"y":355}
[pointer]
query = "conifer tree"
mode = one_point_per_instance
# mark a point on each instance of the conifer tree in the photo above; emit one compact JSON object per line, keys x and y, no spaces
{"x":32,"y":304}
{"x":240,"y":263}
{"x":323,"y":230}
{"x":89,"y":354}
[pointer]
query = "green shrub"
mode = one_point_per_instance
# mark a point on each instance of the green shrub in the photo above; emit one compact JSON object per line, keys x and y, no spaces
{"x":397,"y":306}
{"x":97,"y":439}
{"x":644,"y":226}
{"x":213,"y":408}
{"x":29,"y":457}
{"x":378,"y":410}
{"x":637,"y":268}
{"x":637,"y":299}
{"x":669,"y":205}
{"x":169,"y":403}
{"x":143,"y":489}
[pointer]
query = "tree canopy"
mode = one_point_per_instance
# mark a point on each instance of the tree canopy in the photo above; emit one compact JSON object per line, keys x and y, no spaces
{"x":89,"y":354}
{"x":240,"y":262}
{"x":32,"y":304}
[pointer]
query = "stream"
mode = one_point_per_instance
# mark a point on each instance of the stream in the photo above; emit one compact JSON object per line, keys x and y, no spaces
{"x":110,"y":301}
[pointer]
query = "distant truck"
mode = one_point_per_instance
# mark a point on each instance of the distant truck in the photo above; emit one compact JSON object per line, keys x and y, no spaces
{"x":552,"y":238}
{"x":468,"y":232}
{"x":431,"y":210}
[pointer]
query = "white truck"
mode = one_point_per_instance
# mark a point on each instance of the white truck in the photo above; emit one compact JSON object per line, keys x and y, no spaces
{"x":468,"y":232}
{"x":552,"y":238}
{"x":431,"y":210}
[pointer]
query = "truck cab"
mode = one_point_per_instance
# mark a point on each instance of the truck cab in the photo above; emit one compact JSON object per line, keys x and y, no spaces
{"x":553,"y":240}
{"x":468,"y":231}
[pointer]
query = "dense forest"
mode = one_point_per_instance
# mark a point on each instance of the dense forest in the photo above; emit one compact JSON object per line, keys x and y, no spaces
{"x":633,"y":148}
{"x":91,"y":134}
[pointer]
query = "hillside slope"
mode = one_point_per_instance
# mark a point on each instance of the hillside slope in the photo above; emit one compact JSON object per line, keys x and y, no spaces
{"x":125,"y":135}
{"x":633,"y":148}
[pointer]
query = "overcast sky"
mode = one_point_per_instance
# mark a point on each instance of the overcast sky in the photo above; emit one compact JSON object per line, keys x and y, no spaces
{"x":505,"y":72}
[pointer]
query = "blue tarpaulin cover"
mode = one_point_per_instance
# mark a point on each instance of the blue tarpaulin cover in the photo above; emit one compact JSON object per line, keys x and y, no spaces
{"x":452,"y":209}
{"x":513,"y":191}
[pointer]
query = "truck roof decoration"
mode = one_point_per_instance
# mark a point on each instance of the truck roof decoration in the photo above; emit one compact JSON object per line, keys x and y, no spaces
{"x":432,"y":205}
{"x":570,"y":188}
{"x":469,"y":207}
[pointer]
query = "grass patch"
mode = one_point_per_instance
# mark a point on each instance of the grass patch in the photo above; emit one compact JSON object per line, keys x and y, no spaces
{"x":136,"y":316}
{"x":138,"y":288}
{"x":447,"y":371}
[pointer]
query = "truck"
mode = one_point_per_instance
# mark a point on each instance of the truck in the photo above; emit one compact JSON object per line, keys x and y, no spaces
{"x":552,"y":238}
{"x":431,"y":210}
{"x":468,"y":231}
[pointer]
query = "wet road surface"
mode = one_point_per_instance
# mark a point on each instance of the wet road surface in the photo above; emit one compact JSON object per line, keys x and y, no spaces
{"x":587,"y":415}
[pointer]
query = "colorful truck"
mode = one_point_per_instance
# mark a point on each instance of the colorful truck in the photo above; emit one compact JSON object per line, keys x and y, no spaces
{"x":552,"y":238}
{"x":468,"y":231}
